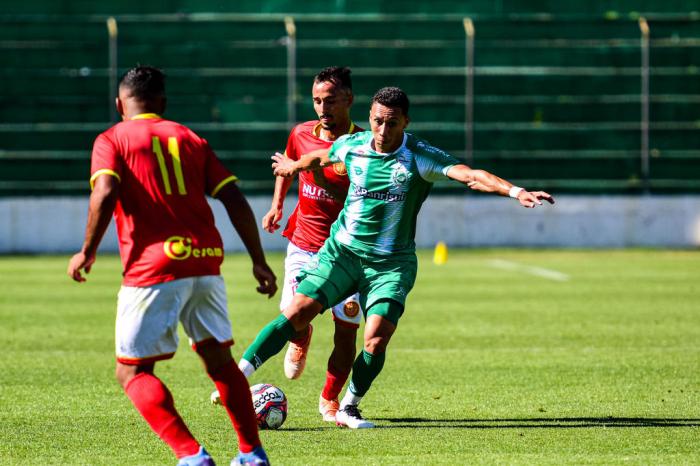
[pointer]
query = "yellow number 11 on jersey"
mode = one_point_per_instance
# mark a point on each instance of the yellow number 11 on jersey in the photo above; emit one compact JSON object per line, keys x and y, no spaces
{"x":174,"y":152}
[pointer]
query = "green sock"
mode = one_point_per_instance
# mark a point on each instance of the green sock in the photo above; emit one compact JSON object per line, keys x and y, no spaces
{"x":269,"y":341}
{"x":366,"y":368}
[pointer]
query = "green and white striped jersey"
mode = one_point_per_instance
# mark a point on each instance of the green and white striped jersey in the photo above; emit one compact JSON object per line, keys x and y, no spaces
{"x":386,"y":192}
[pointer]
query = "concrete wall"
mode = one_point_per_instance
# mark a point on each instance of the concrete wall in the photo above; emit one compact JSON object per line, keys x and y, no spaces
{"x":57,"y":225}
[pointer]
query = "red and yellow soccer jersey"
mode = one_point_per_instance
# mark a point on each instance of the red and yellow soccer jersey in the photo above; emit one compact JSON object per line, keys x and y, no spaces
{"x":165,"y":226}
{"x":310,"y":223}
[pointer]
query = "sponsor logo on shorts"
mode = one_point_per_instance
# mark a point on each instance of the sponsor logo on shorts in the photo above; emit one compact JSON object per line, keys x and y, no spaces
{"x":351,"y":308}
{"x":339,"y":168}
{"x":179,"y":248}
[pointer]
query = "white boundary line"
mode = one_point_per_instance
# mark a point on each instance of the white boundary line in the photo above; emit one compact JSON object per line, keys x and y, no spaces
{"x":531,"y":270}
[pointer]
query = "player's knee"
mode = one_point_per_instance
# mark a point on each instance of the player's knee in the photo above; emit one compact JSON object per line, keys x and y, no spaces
{"x":376,"y":344}
{"x":302,"y":311}
{"x":214,"y":356}
{"x":124,"y":373}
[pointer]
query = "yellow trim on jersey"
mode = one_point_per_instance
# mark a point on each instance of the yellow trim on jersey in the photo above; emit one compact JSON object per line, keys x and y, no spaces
{"x":103,"y":171}
{"x":226,"y":181}
{"x":317,"y":130}
{"x":145,"y":116}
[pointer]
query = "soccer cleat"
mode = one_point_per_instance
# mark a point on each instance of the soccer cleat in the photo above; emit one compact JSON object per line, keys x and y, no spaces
{"x":215,"y":398}
{"x":327,"y":408}
{"x":256,"y":457}
{"x":202,"y":458}
{"x":295,"y":358}
{"x":350,"y":416}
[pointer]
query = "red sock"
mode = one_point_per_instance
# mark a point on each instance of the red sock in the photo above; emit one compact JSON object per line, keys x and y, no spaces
{"x":155,"y":403}
{"x":335,"y":379}
{"x":235,"y":396}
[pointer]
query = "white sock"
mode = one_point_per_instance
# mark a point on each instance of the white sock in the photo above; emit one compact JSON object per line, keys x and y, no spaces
{"x":246,"y":367}
{"x":350,"y":399}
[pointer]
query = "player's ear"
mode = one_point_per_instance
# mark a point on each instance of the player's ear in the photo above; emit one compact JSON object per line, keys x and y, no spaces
{"x":120,"y":106}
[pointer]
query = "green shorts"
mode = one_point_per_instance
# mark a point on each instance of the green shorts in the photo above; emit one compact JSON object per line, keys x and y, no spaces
{"x":337,"y":272}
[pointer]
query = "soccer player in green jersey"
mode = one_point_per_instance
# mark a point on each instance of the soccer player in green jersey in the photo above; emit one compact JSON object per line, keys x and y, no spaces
{"x":371,"y":248}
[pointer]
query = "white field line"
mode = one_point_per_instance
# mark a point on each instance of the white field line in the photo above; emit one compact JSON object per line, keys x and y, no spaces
{"x":529,"y":269}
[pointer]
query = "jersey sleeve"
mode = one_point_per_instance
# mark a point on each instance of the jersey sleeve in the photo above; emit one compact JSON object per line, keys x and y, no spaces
{"x":292,"y":151}
{"x":340,"y":149}
{"x":433,"y":163}
{"x":217,"y":174}
{"x":105,"y":159}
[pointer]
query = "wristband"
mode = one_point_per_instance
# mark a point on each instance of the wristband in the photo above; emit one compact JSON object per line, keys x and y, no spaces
{"x":515,"y":191}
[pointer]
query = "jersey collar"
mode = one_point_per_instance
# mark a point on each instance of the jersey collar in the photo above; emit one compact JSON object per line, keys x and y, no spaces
{"x":317,"y":130}
{"x":145,"y":116}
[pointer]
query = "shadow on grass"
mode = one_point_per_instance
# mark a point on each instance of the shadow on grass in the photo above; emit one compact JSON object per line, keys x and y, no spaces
{"x":537,"y":423}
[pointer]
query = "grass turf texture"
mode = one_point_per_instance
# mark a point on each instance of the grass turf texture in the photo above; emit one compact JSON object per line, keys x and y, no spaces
{"x":488,"y":366}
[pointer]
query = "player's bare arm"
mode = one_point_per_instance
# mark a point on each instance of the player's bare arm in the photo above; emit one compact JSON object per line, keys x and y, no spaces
{"x":315,"y":160}
{"x":481,"y":180}
{"x":243,"y":220}
{"x":271,"y":219}
{"x":102,"y":202}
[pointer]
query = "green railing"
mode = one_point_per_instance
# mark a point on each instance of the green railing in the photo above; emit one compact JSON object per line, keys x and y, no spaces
{"x":573,"y":103}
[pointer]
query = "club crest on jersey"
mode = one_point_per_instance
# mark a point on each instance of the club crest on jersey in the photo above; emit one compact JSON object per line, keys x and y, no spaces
{"x":399,"y":176}
{"x":180,"y":248}
{"x":339,"y":169}
{"x":358,"y":171}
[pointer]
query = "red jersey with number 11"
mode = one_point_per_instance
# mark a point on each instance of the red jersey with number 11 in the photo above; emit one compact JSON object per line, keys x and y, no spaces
{"x":322,"y":193}
{"x":165,"y":227}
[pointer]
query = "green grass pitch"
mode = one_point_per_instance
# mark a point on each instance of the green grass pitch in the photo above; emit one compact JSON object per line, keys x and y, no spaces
{"x":502,"y":357}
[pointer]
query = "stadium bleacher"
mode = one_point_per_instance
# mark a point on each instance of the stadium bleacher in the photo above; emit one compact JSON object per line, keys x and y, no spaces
{"x":556,"y":103}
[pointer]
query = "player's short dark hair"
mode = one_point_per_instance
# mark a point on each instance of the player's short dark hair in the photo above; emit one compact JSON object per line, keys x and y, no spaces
{"x":392,"y":97}
{"x":338,"y":75}
{"x":145,"y":83}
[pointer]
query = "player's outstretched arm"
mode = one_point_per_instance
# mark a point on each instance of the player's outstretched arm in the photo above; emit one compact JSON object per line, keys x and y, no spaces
{"x":481,"y":180}
{"x":243,"y":220}
{"x":103,"y":199}
{"x":284,"y":166}
{"x":271,"y":220}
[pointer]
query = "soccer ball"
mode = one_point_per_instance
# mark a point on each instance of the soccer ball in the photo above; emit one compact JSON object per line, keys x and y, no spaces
{"x":270,"y":405}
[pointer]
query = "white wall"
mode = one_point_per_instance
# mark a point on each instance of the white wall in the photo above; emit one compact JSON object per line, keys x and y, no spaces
{"x":57,"y":225}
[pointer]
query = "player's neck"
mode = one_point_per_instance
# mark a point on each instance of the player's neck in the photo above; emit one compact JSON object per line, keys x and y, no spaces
{"x":335,"y":132}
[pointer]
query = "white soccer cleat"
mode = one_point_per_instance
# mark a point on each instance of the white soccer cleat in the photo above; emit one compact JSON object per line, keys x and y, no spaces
{"x":328,"y":408}
{"x":350,"y":416}
{"x":215,"y":398}
{"x":295,"y":358}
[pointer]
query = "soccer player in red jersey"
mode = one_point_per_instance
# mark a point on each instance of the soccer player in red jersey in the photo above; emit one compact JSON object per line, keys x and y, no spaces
{"x":153,"y":175}
{"x":321,"y":197}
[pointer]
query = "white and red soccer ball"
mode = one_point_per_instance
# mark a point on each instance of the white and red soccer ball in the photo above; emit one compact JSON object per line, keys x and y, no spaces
{"x":270,"y":405}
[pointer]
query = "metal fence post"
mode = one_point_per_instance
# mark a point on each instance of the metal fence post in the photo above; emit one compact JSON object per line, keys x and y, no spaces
{"x":644,"y":99}
{"x":469,"y":91}
{"x":112,"y":32}
{"x":291,"y":42}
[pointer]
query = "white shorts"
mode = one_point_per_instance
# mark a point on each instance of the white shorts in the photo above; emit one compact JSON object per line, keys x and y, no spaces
{"x":147,"y":317}
{"x":347,"y":312}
